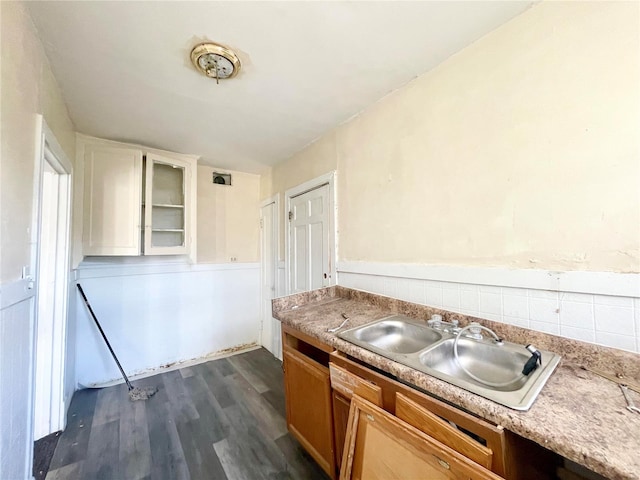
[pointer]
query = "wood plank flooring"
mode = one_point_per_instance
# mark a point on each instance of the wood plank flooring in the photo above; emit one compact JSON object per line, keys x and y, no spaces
{"x":224,"y":419}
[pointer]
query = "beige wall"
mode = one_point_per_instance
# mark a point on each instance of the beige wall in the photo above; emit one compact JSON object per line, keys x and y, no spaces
{"x":522,"y":151}
{"x":28,"y":88}
{"x":228,"y":218}
{"x":315,"y":160}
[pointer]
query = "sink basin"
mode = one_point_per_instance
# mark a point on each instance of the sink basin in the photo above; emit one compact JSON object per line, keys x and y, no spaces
{"x":499,"y":365}
{"x":396,"y":336}
{"x":414,"y":344}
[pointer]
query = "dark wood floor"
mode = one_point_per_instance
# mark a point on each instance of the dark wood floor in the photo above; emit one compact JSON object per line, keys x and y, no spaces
{"x":224,"y":419}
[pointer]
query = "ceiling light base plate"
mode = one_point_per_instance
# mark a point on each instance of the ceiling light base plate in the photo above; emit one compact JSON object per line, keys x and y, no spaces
{"x":215,"y":61}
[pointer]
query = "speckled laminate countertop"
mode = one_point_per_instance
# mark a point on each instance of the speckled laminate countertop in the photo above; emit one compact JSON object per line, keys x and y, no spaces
{"x":578,"y":415}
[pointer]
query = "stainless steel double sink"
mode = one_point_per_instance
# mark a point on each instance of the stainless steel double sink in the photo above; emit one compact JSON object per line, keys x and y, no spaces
{"x":498,"y":366}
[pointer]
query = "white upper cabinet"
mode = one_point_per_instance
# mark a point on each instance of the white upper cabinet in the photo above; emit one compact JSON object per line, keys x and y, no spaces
{"x":113,"y":193}
{"x":137,"y":201}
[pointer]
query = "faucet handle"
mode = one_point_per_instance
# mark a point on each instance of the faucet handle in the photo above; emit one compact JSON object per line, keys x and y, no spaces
{"x":436,"y":321}
{"x":455,"y":327}
{"x":475,"y":330}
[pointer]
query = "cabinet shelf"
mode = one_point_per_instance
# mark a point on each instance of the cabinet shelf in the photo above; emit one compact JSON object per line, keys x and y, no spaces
{"x":167,"y":230}
{"x":166,"y":205}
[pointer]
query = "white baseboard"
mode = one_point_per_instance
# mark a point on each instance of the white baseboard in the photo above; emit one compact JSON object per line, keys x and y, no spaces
{"x":176,"y":366}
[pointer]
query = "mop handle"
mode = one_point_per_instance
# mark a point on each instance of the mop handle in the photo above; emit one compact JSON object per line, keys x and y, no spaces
{"x":86,"y":302}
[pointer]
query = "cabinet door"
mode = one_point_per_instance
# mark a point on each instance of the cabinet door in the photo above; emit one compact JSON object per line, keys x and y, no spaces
{"x":440,"y":430}
{"x":166,"y":206}
{"x":380,"y":446}
{"x":341,"y":406}
{"x":112,"y":196}
{"x":309,"y":412}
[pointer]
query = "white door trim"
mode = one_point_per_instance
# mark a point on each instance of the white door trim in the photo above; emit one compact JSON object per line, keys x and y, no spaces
{"x":49,"y":150}
{"x":275,"y":200}
{"x":326,"y":179}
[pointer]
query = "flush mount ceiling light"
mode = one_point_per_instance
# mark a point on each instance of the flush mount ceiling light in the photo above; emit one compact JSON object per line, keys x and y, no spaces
{"x":215,"y":61}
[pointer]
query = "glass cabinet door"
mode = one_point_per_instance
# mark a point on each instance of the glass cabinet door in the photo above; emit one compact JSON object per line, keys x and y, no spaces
{"x":165,"y":207}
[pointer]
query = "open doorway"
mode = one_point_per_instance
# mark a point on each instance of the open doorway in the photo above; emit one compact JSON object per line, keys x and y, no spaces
{"x":51,"y":268}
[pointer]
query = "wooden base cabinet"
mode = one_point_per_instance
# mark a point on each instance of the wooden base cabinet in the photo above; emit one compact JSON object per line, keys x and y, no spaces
{"x":309,"y":404}
{"x":397,"y":428}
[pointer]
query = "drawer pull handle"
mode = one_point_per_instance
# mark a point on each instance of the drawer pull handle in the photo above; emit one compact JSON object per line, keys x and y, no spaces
{"x":443,"y":464}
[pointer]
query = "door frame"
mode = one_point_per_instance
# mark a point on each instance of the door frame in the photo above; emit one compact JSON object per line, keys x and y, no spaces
{"x":49,"y":150}
{"x":326,"y":179}
{"x":275,"y":199}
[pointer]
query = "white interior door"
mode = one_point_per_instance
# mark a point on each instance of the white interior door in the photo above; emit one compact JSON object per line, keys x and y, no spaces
{"x":46,"y":301}
{"x":268,"y":247}
{"x":309,"y":240}
{"x":51,"y":304}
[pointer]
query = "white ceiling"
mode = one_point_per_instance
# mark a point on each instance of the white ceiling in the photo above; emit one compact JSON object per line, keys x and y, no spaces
{"x":125,"y":72}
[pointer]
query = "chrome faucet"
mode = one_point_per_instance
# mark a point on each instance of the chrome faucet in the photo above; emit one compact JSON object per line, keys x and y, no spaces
{"x":437,"y":323}
{"x":475,"y":332}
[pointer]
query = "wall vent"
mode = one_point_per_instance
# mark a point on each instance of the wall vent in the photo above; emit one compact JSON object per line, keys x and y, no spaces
{"x":221,"y":178}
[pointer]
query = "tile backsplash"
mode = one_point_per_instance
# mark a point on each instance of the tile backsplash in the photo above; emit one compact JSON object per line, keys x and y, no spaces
{"x":612,"y":321}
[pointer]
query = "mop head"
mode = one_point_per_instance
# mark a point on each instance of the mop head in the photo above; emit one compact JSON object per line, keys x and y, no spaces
{"x":142,"y":393}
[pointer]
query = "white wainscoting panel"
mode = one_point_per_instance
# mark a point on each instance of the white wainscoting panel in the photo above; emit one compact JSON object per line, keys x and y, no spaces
{"x":605,"y":319}
{"x":16,"y":380}
{"x":154,"y":318}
